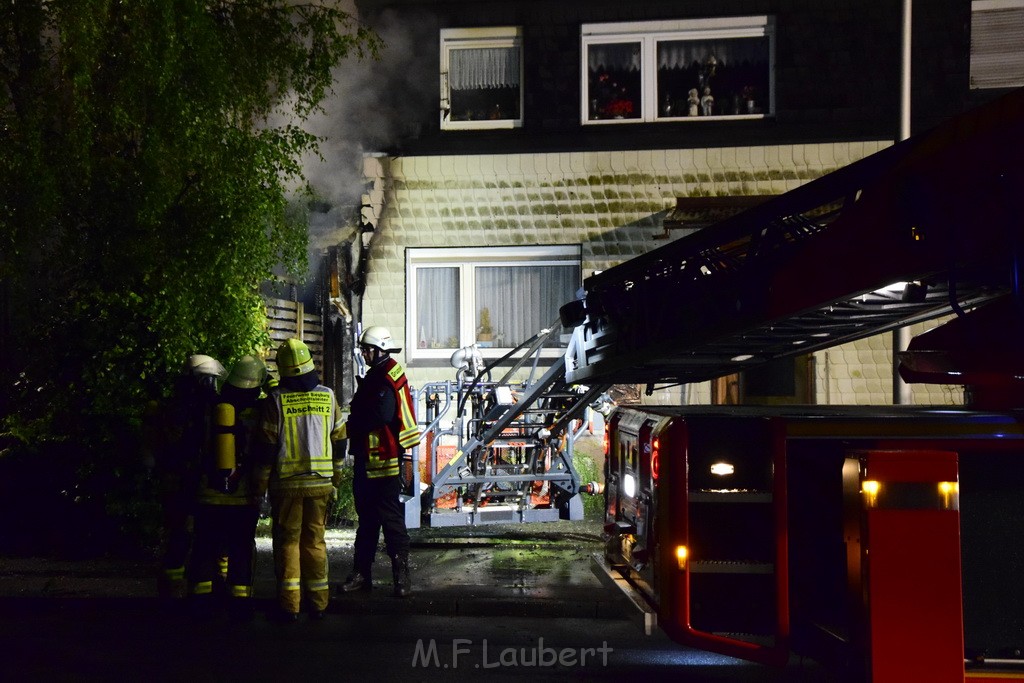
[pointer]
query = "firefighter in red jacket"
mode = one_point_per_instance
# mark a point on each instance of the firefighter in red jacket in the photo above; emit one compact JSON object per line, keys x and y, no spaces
{"x":298,"y":421}
{"x":381,"y":426}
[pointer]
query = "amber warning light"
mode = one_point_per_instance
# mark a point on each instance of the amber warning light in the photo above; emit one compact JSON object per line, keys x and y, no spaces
{"x":656,"y":447}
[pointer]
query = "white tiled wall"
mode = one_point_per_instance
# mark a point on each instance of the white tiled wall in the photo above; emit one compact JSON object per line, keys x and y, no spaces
{"x":613,"y":204}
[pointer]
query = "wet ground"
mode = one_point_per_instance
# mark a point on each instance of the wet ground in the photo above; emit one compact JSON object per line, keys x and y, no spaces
{"x":531,"y":568}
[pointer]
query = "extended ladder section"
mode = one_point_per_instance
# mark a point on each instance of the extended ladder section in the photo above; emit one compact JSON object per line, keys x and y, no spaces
{"x":925,"y":228}
{"x":516,"y":463}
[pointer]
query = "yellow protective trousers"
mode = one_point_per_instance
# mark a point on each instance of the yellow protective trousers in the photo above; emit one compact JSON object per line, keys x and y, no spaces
{"x":300,"y":551}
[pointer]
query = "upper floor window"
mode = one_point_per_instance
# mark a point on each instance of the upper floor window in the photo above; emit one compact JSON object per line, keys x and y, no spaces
{"x":495,"y":297}
{"x":997,"y":43}
{"x":481,"y":78}
{"x":678,"y":70}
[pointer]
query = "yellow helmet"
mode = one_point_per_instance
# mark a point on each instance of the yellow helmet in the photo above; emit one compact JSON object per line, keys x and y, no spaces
{"x":248,"y":373}
{"x":294,"y":358}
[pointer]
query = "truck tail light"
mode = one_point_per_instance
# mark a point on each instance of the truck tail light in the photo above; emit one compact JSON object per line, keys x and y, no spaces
{"x":655,"y":450}
{"x":681,"y":553}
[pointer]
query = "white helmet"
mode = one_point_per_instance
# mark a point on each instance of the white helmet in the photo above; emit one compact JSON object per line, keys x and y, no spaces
{"x":201,"y":365}
{"x":379,"y":338}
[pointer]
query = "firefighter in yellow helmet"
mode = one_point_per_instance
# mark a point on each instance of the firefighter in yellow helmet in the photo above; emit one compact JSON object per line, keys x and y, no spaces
{"x":382,"y":425}
{"x":176,"y":433}
{"x":227,"y":509}
{"x":297,"y":422}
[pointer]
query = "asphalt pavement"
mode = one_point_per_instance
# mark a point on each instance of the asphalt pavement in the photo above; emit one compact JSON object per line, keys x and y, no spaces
{"x":489,"y":603}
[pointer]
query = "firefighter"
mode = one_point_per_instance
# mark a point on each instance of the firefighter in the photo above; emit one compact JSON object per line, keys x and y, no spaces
{"x":227,"y":509}
{"x":297,"y":422}
{"x":380,"y":427}
{"x":176,"y":436}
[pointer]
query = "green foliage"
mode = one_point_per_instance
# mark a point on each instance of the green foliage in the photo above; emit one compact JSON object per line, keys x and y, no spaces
{"x":151,"y":148}
{"x":587,"y":470}
{"x":343,"y":508}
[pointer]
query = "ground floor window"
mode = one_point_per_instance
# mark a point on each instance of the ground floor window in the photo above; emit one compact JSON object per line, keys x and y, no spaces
{"x":495,"y":297}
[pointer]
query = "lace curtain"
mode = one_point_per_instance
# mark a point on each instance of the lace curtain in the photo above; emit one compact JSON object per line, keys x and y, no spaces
{"x":614,"y":57}
{"x":678,"y":54}
{"x":437,"y":307}
{"x":483,"y":68}
{"x":681,"y":54}
{"x":521,"y":301}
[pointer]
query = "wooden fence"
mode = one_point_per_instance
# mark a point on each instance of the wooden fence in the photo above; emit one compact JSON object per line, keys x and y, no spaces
{"x":288,"y":319}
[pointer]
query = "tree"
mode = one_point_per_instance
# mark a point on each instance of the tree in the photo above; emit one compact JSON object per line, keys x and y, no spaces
{"x":149,"y":148}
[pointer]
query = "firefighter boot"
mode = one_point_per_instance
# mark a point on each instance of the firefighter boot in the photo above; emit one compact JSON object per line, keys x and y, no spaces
{"x":400,"y":573}
{"x":358,"y":580}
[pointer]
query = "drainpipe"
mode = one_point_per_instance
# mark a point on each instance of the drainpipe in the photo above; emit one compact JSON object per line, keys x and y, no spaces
{"x":901,"y":391}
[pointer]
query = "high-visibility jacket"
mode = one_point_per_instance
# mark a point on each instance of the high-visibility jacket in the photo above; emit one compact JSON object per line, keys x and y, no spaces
{"x":382,"y":424}
{"x":300,"y":425}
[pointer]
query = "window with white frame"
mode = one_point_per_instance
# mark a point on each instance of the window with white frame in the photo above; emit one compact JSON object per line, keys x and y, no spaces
{"x":684,"y":70}
{"x":997,"y":44}
{"x":495,"y":297}
{"x":481,"y":78}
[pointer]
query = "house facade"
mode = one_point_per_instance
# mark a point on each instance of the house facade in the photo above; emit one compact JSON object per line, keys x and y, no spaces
{"x":545,"y":141}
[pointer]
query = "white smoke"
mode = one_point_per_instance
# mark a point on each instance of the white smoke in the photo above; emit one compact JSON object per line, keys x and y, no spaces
{"x":373,"y":106}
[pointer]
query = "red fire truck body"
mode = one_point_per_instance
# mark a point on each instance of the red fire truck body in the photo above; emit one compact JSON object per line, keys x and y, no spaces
{"x":750,"y":530}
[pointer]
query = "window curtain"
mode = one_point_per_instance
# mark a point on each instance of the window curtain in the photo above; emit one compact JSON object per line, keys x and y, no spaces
{"x":437,"y":307}
{"x":614,"y":57}
{"x":482,"y":68}
{"x":681,"y":54}
{"x":523,"y":300}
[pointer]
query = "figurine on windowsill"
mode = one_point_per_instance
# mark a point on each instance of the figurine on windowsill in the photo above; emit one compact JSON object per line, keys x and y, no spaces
{"x":707,"y":103}
{"x":748,"y":99}
{"x":693,"y":101}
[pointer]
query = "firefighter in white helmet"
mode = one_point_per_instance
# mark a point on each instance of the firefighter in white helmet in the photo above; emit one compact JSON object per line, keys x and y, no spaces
{"x":297,"y":422}
{"x":175,"y":435}
{"x":228,"y":505}
{"x":381,"y":426}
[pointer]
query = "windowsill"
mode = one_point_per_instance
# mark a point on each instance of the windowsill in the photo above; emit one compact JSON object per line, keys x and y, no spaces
{"x":482,"y":125}
{"x":679,"y":119}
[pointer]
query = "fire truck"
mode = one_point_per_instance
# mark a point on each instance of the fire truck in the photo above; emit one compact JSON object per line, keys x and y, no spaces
{"x":882,"y":541}
{"x":767,"y":532}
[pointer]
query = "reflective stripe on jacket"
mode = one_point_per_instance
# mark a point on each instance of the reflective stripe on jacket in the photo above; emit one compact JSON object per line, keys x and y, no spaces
{"x":300,"y":424}
{"x":381,"y":446}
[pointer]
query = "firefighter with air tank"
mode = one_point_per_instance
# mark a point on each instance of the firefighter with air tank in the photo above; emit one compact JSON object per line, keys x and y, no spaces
{"x":175,"y":436}
{"x":228,"y":498}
